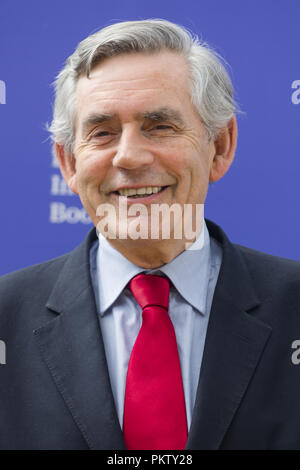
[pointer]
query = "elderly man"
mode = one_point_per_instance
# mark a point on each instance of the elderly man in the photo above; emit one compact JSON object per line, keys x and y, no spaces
{"x":149,"y":342}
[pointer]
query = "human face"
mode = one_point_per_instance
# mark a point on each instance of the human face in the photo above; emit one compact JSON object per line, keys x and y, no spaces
{"x":136,"y":127}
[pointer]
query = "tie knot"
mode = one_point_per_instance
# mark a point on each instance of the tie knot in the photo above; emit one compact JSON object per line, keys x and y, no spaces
{"x":149,"y":289}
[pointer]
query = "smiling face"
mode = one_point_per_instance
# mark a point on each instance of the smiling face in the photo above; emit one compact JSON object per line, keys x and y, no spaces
{"x":136,"y":128}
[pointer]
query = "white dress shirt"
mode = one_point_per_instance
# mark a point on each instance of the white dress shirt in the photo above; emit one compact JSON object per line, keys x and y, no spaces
{"x":194,"y":274}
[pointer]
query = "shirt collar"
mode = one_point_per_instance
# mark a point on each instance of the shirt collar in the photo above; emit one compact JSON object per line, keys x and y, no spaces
{"x":189,"y":272}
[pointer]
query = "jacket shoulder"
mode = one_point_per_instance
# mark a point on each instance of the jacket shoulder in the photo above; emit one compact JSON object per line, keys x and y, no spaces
{"x":273,"y":265}
{"x":273,"y":276}
{"x":24,"y":294}
{"x":34,"y":281}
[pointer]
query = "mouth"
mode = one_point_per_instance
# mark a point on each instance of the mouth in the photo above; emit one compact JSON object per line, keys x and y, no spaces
{"x":144,"y":194}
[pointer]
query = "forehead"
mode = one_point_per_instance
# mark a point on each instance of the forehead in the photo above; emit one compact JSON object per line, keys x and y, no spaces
{"x":131,"y":83}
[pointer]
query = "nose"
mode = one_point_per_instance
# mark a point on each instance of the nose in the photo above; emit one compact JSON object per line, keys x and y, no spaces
{"x":133,"y":151}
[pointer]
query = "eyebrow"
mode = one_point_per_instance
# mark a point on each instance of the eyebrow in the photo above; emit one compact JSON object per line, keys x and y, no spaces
{"x":94,"y":119}
{"x":164,"y":114}
{"x":158,"y":115}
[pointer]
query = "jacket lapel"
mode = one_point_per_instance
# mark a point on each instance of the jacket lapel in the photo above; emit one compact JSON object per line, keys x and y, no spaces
{"x":72,"y":347}
{"x":234,"y":344}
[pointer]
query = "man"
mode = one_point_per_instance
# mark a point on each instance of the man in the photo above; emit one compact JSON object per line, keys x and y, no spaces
{"x":149,"y":342}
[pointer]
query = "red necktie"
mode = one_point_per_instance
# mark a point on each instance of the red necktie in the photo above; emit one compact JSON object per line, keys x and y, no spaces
{"x":154,"y":408}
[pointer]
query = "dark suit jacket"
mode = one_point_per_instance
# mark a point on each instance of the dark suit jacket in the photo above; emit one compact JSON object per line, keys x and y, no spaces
{"x":55,"y":391}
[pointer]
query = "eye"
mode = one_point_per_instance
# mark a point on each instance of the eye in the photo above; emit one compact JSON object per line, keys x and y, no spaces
{"x":102,"y":137}
{"x":162,"y":127}
{"x":102,"y":134}
{"x":158,"y":131}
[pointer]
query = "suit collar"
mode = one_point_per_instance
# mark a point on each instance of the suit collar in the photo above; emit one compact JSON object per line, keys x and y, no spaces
{"x":235,"y":282}
{"x":72,"y":347}
{"x":234,"y":344}
{"x":112,"y":272}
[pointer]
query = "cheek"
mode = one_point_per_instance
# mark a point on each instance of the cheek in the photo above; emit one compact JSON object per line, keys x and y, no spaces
{"x":192,"y":164}
{"x":91,"y":167}
{"x":188,"y":161}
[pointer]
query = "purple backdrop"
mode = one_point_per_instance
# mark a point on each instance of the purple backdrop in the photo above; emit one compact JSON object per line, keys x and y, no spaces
{"x":257,"y":201}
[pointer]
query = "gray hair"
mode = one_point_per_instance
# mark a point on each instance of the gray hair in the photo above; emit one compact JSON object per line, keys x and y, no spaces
{"x":210,"y":85}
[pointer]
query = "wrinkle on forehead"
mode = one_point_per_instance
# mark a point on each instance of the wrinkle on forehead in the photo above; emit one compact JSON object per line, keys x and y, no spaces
{"x":133,"y":79}
{"x":136,"y":68}
{"x":100,"y":85}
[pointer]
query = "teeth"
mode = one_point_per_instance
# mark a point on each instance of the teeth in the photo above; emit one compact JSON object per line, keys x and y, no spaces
{"x":140,"y":191}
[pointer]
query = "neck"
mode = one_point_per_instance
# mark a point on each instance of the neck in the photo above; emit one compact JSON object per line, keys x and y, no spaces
{"x":152,"y":254}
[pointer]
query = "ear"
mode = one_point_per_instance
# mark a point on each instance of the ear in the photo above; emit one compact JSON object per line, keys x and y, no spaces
{"x":67,"y":164}
{"x":225,"y":146}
